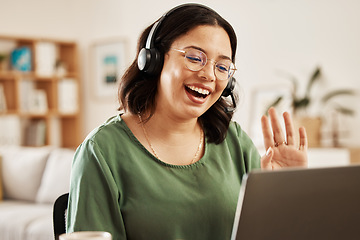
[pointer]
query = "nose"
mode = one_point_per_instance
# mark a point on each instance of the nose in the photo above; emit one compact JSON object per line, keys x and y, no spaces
{"x":207,"y":72}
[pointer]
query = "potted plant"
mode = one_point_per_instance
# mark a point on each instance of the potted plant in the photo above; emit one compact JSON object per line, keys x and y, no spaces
{"x":301,"y":103}
{"x":3,"y":62}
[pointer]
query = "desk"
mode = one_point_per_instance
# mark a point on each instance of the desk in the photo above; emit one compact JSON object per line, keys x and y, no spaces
{"x":330,"y":157}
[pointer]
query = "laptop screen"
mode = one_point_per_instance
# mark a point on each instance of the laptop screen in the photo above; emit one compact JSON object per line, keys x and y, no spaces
{"x":318,"y":203}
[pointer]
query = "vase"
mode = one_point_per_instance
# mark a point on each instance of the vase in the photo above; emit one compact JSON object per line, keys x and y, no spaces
{"x":313,"y":129}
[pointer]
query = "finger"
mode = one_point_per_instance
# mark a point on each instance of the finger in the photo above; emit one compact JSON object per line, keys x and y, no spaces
{"x":303,"y":139}
{"x":266,"y":159}
{"x":290,"y":131}
{"x":276,"y":127}
{"x":268,"y":137}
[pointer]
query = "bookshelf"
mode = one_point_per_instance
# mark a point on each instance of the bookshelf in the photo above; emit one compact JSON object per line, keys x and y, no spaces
{"x":40,"y":91}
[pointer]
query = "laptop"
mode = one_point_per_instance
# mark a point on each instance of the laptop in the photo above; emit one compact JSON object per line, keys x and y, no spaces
{"x":317,"y":203}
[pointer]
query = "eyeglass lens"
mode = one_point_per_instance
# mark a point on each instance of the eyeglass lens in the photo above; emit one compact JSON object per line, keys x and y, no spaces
{"x":195,"y":60}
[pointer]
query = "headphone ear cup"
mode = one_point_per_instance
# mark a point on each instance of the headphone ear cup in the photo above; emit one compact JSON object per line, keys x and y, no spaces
{"x":229,"y":87}
{"x":143,"y":60}
{"x":156,"y":62}
{"x":150,"y":61}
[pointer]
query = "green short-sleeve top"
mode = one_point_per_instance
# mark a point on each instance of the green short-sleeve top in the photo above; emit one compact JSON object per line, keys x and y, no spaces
{"x":119,"y":187}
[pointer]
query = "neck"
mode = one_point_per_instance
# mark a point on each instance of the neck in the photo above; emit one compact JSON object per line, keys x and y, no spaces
{"x":169,"y":125}
{"x":172,"y":140}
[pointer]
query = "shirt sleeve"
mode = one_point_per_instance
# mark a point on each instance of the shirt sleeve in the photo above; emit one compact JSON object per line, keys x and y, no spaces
{"x":94,"y":196}
{"x":251,"y":156}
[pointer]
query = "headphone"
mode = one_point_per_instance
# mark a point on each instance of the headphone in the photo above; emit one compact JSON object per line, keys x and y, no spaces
{"x":150,"y":60}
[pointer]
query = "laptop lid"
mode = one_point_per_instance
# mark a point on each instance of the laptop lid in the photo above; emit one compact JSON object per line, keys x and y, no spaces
{"x":318,"y":203}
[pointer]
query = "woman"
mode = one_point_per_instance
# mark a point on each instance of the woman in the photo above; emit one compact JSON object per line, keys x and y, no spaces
{"x":171,"y":166}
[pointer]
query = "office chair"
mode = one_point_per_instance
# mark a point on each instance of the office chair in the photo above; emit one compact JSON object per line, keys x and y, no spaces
{"x":59,"y":215}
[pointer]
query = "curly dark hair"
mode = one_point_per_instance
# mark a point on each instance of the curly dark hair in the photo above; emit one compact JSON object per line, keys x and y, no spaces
{"x":137,"y":89}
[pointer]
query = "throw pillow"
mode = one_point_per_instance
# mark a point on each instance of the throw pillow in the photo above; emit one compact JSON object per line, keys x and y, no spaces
{"x":56,"y":177}
{"x":22,"y":169}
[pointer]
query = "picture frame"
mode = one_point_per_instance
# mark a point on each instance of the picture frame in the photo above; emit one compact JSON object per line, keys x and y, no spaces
{"x":261,"y":99}
{"x":109,"y":62}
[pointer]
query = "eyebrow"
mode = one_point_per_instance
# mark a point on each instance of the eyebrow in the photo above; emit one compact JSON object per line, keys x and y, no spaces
{"x":203,"y":50}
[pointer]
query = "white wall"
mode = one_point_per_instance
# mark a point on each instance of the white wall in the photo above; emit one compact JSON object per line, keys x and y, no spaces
{"x":292,"y":36}
{"x":295,"y":36}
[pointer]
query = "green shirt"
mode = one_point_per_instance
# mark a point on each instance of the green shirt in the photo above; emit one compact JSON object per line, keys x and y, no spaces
{"x":119,"y":187}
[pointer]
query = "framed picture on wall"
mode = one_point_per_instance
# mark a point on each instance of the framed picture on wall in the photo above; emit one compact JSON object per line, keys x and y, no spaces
{"x":261,"y":99}
{"x":109,"y":63}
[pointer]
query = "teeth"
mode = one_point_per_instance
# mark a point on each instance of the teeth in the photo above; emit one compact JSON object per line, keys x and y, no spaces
{"x":199,"y":90}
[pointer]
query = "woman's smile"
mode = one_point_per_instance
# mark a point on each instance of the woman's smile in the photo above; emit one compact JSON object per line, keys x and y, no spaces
{"x":197,"y":94}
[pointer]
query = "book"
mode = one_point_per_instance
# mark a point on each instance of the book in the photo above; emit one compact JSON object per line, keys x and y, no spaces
{"x":10,"y":130}
{"x":68,"y":96}
{"x":35,"y":133}
{"x":45,"y":58}
{"x":39,"y":102}
{"x":32,"y":100}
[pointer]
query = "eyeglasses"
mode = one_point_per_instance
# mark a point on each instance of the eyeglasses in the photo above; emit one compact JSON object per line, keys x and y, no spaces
{"x":195,"y":60}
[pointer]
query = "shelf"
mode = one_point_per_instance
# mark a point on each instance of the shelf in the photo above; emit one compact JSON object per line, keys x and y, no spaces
{"x":9,"y":112}
{"x":35,"y":97}
{"x":12,"y":75}
{"x":7,"y":75}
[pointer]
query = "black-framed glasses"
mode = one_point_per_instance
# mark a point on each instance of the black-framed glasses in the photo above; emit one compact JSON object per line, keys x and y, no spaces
{"x":195,"y":60}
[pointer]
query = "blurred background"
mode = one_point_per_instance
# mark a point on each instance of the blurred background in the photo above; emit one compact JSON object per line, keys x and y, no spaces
{"x":61,"y":62}
{"x":282,"y":46}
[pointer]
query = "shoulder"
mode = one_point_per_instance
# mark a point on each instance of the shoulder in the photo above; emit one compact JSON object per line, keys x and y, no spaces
{"x":241,"y":146}
{"x":105,"y":128}
{"x":235,"y":131}
{"x":112,"y":134}
{"x":107,"y":143}
{"x":112,"y":130}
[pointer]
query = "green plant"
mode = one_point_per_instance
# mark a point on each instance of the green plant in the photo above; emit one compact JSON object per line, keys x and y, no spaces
{"x":302,"y":102}
{"x":337,"y":107}
{"x":2,"y":57}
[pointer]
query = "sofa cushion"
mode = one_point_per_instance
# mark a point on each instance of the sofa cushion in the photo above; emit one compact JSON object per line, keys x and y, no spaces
{"x":22,"y":170}
{"x":56,"y":177}
{"x":23,"y":220}
{"x":41,"y":228}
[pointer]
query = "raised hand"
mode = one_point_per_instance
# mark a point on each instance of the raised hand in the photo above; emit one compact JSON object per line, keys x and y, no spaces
{"x":282,"y":152}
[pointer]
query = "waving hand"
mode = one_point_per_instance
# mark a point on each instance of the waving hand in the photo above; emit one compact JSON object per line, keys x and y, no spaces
{"x":282,"y":152}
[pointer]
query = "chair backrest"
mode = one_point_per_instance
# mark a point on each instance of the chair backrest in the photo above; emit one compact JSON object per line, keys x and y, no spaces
{"x":59,"y":215}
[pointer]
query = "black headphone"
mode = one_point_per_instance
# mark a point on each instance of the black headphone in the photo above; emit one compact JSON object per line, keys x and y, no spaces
{"x":150,"y":60}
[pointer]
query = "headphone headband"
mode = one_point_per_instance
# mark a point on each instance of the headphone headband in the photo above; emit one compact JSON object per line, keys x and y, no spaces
{"x":150,"y":60}
{"x":150,"y":41}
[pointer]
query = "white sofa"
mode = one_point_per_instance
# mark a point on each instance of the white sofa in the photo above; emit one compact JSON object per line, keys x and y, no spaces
{"x":31,"y":179}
